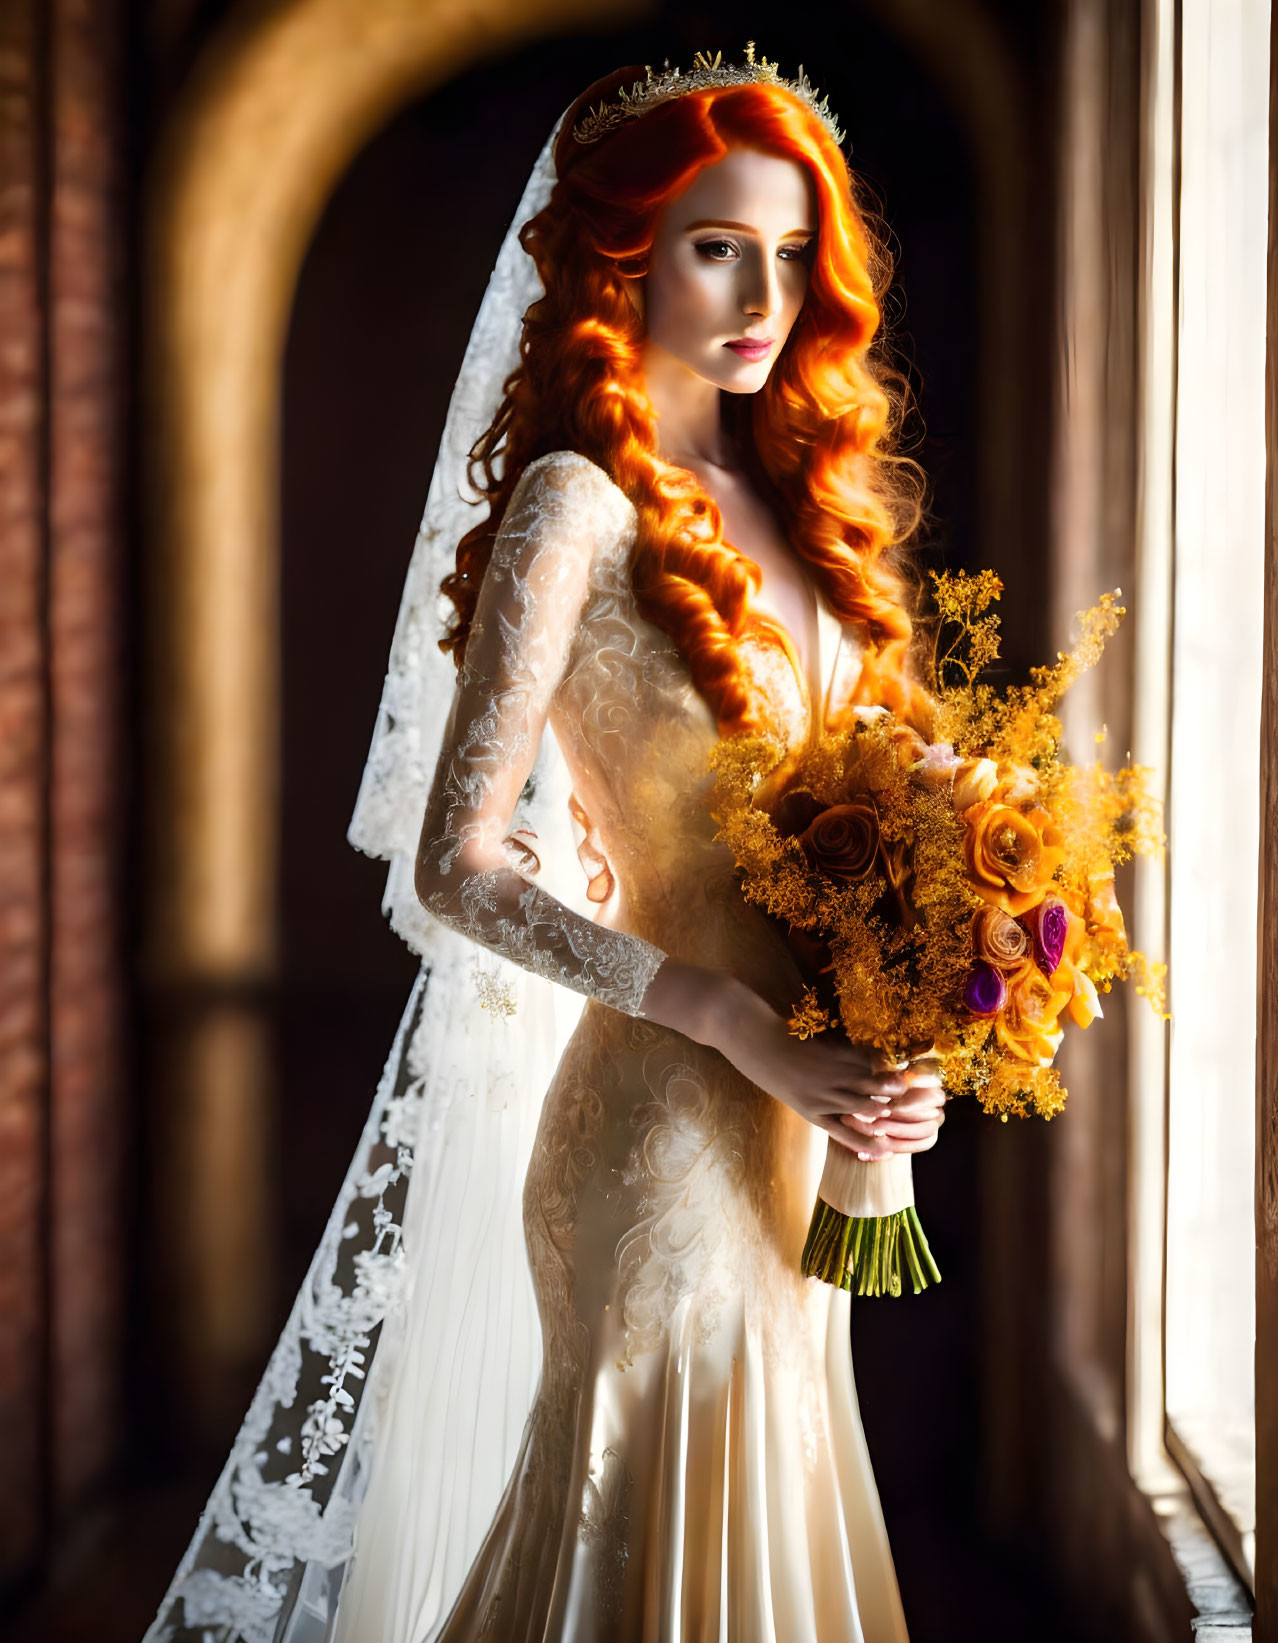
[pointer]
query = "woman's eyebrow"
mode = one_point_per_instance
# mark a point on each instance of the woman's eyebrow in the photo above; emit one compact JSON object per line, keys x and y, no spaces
{"x":741,"y":227}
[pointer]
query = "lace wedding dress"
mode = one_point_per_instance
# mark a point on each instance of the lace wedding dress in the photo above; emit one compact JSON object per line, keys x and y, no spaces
{"x":694,"y":1465}
{"x":553,"y":1373}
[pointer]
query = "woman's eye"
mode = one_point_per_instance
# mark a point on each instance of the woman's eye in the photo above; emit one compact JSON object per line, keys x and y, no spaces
{"x":725,"y":251}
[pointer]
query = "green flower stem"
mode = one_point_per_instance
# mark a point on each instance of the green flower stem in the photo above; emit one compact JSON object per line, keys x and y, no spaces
{"x":869,"y":1254}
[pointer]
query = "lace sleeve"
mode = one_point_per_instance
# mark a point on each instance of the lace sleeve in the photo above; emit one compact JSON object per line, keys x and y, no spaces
{"x":469,"y":874}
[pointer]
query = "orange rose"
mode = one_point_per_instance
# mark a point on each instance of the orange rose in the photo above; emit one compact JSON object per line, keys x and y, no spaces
{"x":999,"y":940}
{"x":843,"y":841}
{"x":1011,"y":857}
{"x":1084,"y":1003}
{"x":1028,"y":1025}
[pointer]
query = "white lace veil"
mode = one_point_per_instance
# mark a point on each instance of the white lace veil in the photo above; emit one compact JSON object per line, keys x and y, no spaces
{"x":424,"y":1248}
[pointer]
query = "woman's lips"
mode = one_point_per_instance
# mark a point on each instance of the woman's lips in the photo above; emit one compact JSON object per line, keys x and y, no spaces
{"x":751,"y":350}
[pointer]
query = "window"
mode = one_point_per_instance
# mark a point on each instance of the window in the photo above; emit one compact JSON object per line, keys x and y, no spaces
{"x":1200,"y":596}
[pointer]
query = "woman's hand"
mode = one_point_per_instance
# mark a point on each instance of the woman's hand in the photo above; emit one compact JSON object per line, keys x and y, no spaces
{"x":837,"y":1086}
{"x":911,"y":1122}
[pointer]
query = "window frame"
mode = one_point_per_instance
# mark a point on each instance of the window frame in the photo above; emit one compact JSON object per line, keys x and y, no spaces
{"x":1153,"y":1441}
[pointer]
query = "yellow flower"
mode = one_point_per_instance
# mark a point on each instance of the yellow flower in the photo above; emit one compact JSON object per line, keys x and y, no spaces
{"x":1028,"y":1026}
{"x":1018,"y":785}
{"x":907,"y":744}
{"x":1011,"y":857}
{"x":974,"y":780}
{"x":1104,"y":916}
{"x":1084,"y":1005}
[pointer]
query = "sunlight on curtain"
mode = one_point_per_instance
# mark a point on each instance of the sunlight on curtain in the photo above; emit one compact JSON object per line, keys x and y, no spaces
{"x":1214,"y":801}
{"x":1151,"y":620}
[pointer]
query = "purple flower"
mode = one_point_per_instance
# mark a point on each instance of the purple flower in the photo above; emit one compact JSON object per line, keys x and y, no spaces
{"x":986,"y":990}
{"x":1048,"y":923}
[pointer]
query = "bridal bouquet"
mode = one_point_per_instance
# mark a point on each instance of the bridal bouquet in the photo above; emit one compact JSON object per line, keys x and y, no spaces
{"x":953,"y":898}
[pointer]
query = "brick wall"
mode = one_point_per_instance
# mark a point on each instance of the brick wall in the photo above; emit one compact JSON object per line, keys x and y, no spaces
{"x":62,"y":1119}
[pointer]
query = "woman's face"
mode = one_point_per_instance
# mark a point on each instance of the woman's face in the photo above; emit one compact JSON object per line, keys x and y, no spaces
{"x":729,"y":264}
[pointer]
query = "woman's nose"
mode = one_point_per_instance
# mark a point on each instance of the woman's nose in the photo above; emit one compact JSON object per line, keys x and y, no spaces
{"x":761,"y":292}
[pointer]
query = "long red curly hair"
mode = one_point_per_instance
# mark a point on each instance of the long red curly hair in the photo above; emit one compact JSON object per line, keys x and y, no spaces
{"x":819,"y":435}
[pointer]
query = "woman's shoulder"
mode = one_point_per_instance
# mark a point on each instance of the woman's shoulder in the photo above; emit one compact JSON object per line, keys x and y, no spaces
{"x":566,"y":506}
{"x":573,"y":480}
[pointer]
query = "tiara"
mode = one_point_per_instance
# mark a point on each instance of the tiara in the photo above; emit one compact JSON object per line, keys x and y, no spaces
{"x":705,"y":71}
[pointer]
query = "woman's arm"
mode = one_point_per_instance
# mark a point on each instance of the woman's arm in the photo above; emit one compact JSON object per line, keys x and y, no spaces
{"x":562,"y":513}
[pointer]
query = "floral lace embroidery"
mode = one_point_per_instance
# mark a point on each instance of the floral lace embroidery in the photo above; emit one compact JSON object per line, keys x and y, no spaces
{"x":686,"y":1169}
{"x":274,"y":1505}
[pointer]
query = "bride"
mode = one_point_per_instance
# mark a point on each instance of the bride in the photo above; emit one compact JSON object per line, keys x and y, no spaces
{"x":692,"y":512}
